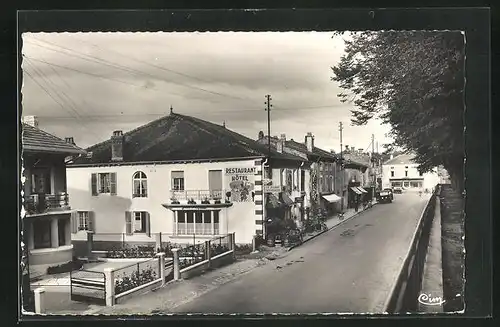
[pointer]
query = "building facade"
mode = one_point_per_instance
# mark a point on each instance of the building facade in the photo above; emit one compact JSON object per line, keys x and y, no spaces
{"x":318,"y":176}
{"x":401,"y":171}
{"x":179,"y":176}
{"x":48,"y":216}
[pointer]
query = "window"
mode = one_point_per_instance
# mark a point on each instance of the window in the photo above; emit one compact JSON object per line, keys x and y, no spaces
{"x":302,"y":180}
{"x":392,"y":173}
{"x":83,"y":220}
{"x":140,"y":220}
{"x":268,"y":172}
{"x":40,"y":181}
{"x":199,"y":222}
{"x":41,"y":234}
{"x":103,"y":183}
{"x":137,"y":222}
{"x":178,"y":180}
{"x":406,"y":173}
{"x":140,"y":185}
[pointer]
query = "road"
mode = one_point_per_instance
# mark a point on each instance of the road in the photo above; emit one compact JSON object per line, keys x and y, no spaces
{"x":350,"y":269}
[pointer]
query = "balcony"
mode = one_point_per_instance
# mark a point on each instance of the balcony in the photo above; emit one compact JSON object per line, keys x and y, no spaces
{"x":45,"y":203}
{"x":210,"y":196}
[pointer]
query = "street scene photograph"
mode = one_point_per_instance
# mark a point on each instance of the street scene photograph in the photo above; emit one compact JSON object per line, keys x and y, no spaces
{"x":242,"y":172}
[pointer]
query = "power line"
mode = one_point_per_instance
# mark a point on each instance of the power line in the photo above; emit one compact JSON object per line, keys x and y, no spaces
{"x":72,"y":108}
{"x":160,"y":67}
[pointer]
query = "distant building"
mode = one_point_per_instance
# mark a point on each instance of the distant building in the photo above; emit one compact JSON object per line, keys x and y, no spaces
{"x":177,"y":178}
{"x":49,"y":217}
{"x":401,"y":171}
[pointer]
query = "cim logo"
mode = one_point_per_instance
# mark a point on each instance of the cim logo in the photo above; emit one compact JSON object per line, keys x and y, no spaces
{"x":427,"y":299}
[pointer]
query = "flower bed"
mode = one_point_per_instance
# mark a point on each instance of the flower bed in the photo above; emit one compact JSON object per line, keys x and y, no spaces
{"x":191,"y":255}
{"x":137,"y":278}
{"x":75,"y":264}
{"x":135,"y":252}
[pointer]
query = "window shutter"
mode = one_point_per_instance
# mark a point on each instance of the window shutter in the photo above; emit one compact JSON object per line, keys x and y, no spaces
{"x":145,"y":188}
{"x":128,"y":223}
{"x":112,"y":182}
{"x":91,"y":222}
{"x":94,"y":184}
{"x":148,"y":224}
{"x":74,"y":222}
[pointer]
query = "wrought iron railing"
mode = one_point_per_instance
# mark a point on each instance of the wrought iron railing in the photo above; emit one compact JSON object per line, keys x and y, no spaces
{"x":210,"y":196}
{"x":41,"y":203}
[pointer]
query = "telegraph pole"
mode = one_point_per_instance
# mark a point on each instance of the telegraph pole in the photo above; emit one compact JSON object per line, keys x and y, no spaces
{"x":268,"y":109}
{"x":341,"y":169}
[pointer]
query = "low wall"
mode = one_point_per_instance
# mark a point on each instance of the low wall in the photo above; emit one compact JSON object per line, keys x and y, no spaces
{"x":201,"y":267}
{"x":41,"y":259}
{"x":120,"y":298}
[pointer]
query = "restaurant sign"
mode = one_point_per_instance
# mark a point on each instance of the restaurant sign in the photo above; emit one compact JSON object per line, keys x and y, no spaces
{"x":241,"y":183}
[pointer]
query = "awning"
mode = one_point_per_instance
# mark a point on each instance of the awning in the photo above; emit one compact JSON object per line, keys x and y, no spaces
{"x":356,"y":190}
{"x":286,"y":199}
{"x":332,"y":198}
{"x":362,"y":189}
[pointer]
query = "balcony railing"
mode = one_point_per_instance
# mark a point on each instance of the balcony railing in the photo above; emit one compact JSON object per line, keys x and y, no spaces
{"x":43,"y":203}
{"x":210,"y":196}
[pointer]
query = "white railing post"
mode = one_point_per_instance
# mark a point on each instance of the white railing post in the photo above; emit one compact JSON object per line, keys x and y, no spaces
{"x":161,"y":262}
{"x":109,"y":274}
{"x":39,"y":300}
{"x":176,"y":264}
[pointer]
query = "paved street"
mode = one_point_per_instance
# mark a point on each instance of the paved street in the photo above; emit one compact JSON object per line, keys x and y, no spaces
{"x":348,"y":269}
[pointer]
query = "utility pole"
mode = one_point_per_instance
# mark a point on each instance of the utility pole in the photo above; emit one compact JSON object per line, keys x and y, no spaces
{"x":268,"y":109}
{"x":264,"y":210}
{"x":341,"y":170}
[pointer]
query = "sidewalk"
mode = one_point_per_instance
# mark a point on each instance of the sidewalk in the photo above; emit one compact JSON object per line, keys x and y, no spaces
{"x":332,"y":222}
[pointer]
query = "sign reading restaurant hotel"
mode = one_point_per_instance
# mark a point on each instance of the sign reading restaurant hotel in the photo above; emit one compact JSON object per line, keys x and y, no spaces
{"x":241,"y":183}
{"x":240,"y":174}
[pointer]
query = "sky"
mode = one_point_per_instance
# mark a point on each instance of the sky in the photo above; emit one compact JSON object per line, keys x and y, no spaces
{"x":86,"y":85}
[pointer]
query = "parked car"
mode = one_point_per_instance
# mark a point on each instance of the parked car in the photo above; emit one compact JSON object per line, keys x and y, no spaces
{"x":390,"y":191}
{"x":384,"y":196}
{"x":398,"y":190}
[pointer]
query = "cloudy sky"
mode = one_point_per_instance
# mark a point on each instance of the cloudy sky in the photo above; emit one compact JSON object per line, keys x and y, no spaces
{"x":86,"y":85}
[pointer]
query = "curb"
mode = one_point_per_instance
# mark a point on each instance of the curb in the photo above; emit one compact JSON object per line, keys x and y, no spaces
{"x":329,"y":229}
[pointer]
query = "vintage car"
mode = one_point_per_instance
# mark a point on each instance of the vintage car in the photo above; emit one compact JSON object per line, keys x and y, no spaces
{"x":390,"y":191}
{"x":384,"y":196}
{"x":398,"y":190}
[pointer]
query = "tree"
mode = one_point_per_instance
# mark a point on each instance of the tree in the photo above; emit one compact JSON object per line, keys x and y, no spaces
{"x":413,"y":81}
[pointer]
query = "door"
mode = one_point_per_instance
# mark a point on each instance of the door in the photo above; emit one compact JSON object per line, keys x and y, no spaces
{"x":215,"y":183}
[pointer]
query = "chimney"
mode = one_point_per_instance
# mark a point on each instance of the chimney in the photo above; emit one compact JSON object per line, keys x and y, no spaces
{"x":31,"y":120}
{"x":261,"y":135}
{"x":309,"y":140}
{"x":281,"y":143}
{"x":224,"y":124}
{"x":117,"y":146}
{"x":70,"y":140}
{"x":352,"y":149}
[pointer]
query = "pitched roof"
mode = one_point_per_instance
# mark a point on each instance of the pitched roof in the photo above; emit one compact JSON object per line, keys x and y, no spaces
{"x":178,"y":137}
{"x":316,"y":151}
{"x":301,"y":148}
{"x":402,"y":159}
{"x":356,"y":159}
{"x":37,"y":140}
